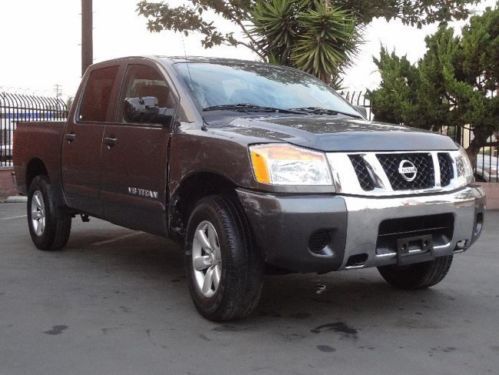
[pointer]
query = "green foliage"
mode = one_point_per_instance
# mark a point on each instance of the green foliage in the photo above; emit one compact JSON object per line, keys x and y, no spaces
{"x":276,"y":27}
{"x":456,"y":83}
{"x":329,"y":40}
{"x":395,"y":97}
{"x":410,"y":12}
{"x":318,"y":36}
{"x":190,"y":18}
{"x":309,"y":35}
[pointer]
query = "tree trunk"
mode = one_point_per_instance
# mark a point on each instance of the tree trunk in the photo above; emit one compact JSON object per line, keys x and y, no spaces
{"x":479,"y":140}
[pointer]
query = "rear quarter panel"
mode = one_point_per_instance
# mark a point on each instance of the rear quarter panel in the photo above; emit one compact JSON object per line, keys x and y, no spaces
{"x":38,"y":140}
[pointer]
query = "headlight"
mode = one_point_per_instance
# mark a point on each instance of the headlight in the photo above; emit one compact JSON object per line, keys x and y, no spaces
{"x":284,"y":164}
{"x":464,"y":168}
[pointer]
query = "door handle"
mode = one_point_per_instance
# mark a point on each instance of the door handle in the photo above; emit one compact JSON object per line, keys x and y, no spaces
{"x":110,"y":141}
{"x":70,"y":137}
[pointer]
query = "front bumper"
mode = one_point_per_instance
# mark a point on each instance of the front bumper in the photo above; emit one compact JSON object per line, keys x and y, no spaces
{"x":286,"y":227}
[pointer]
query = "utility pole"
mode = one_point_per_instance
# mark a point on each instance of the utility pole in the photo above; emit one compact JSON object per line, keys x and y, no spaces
{"x":87,"y":47}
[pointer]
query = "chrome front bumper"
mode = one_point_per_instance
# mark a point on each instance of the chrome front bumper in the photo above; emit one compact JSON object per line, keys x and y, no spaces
{"x":366,"y":214}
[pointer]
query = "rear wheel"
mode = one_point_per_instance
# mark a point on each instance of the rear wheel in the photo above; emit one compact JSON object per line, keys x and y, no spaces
{"x":417,"y":276}
{"x":49,"y":226}
{"x":224,"y":269}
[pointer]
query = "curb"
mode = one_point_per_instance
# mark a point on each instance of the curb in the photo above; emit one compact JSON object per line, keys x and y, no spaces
{"x":16,"y":199}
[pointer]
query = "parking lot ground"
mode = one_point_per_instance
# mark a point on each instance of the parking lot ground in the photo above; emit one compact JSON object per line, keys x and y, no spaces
{"x":116,"y":302}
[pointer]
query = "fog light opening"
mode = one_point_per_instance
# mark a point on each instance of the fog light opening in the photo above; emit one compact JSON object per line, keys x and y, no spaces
{"x":319,"y":243}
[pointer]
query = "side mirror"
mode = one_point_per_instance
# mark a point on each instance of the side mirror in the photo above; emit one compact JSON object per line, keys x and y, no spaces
{"x":146,"y":110}
{"x":362,"y":110}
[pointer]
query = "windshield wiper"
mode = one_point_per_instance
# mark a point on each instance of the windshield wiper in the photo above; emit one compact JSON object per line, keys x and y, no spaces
{"x":324,"y":111}
{"x":249,"y":107}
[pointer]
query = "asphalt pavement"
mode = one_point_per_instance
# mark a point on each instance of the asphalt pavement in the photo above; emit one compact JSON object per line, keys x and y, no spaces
{"x":116,"y":302}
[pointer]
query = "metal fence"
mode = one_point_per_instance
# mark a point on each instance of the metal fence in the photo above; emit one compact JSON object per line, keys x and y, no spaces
{"x":359,"y":99}
{"x":487,"y":162}
{"x":25,"y":108}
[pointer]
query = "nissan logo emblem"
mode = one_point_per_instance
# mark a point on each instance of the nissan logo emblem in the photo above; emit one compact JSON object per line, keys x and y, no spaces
{"x":408,"y":170}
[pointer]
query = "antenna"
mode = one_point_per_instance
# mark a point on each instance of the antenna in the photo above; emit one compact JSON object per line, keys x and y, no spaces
{"x":187,"y":62}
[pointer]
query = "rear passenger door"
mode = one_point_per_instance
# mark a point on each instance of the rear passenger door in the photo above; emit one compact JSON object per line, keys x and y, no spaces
{"x":134,"y":154}
{"x":82,"y":143}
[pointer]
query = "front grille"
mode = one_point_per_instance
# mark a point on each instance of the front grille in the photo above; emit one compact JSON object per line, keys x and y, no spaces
{"x":425,"y":176}
{"x":365,"y":180}
{"x":446,"y":169}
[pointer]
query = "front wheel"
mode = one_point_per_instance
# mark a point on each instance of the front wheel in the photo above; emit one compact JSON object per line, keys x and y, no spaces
{"x":49,"y":226}
{"x":417,"y":276}
{"x":224,"y":269}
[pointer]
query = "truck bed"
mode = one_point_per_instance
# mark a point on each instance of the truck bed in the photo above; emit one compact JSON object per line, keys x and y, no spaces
{"x":37,"y":141}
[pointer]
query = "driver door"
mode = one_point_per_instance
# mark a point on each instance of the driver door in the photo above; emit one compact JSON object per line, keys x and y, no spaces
{"x":135,"y":152}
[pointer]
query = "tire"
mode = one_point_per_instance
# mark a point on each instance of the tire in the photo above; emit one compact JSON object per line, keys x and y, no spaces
{"x":417,"y":276}
{"x":49,"y":226}
{"x":228,"y":253}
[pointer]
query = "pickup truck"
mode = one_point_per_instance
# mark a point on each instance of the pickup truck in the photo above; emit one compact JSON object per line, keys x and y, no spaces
{"x":256,"y":168}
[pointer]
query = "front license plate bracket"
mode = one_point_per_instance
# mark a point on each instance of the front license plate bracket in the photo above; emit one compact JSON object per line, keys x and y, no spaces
{"x":415,"y":249}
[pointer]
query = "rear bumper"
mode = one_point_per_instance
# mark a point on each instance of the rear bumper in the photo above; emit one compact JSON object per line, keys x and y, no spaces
{"x":286,"y":228}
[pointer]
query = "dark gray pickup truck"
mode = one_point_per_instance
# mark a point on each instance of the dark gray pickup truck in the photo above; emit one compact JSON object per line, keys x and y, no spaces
{"x":256,"y":168}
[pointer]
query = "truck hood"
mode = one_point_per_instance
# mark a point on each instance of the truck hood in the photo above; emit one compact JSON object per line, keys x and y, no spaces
{"x":329,"y":133}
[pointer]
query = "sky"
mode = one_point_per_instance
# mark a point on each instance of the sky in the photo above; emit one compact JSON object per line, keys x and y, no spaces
{"x":40,"y":43}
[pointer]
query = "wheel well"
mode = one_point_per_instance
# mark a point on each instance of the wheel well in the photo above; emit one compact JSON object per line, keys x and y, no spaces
{"x":191,"y":191}
{"x":35,"y":168}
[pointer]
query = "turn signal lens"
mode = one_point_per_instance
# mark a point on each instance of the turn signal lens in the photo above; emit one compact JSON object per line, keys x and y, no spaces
{"x":260,"y":168}
{"x":464,"y":168}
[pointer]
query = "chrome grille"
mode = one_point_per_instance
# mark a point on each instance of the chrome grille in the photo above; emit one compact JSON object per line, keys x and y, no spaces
{"x":377,"y":173}
{"x":446,"y":169}
{"x":360,"y":166}
{"x":425,"y":176}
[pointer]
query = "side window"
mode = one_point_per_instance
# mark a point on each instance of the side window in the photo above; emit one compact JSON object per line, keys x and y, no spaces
{"x":147,"y":98}
{"x":97,"y":96}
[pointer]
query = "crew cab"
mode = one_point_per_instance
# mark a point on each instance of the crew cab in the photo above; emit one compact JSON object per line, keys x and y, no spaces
{"x":255,"y":168}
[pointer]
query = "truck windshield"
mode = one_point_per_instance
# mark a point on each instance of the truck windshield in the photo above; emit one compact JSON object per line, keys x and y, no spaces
{"x":219,"y":84}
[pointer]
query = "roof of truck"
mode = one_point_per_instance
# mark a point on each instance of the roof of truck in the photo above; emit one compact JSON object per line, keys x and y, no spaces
{"x":181,"y":59}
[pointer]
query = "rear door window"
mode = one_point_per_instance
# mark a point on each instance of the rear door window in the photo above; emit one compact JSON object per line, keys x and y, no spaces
{"x":145,"y":87}
{"x":97,"y":97}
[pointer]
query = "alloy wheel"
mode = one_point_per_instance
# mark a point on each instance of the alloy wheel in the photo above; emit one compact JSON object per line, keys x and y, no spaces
{"x":38,"y":216}
{"x":206,"y":259}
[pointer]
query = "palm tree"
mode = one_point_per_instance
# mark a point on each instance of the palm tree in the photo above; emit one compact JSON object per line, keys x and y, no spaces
{"x":310,"y":35}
